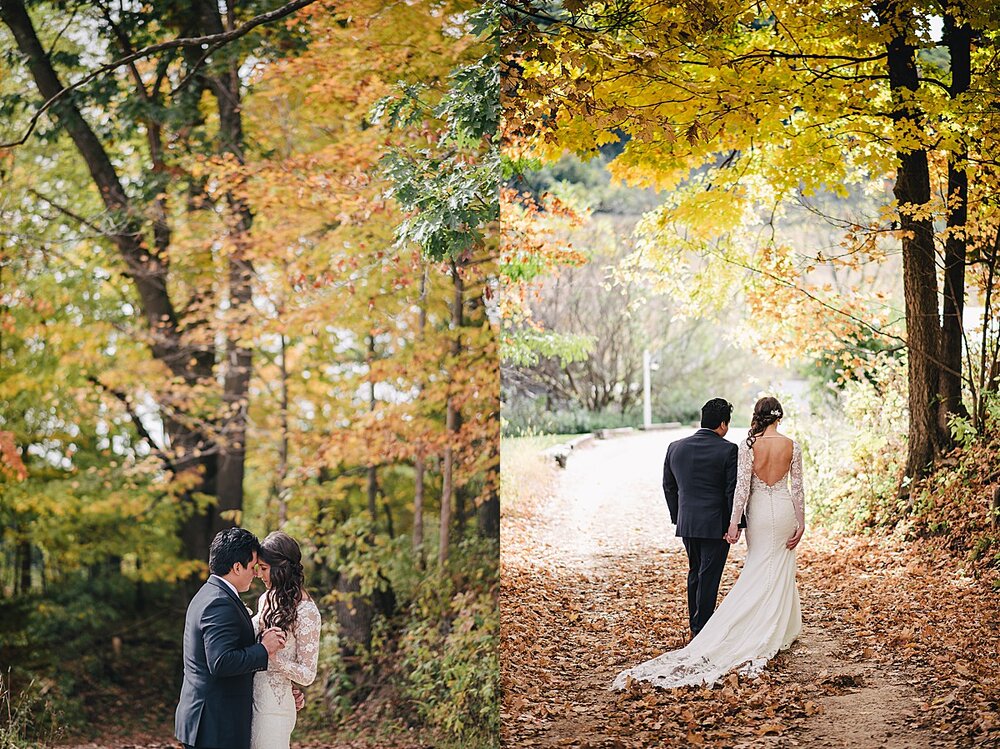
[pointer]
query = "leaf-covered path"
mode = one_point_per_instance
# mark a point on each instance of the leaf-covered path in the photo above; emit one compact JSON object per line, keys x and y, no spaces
{"x":593,"y":581}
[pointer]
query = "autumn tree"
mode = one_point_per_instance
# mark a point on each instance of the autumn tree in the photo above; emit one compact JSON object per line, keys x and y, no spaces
{"x":139,"y":120}
{"x":449,"y":185}
{"x":738,"y":110}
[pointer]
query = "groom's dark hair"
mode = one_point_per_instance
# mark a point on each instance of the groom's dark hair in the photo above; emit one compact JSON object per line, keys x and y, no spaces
{"x":716,"y":412}
{"x":230,"y":546}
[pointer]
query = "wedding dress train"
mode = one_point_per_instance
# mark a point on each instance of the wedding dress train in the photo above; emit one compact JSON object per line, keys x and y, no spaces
{"x":273,"y":703}
{"x":760,"y":615}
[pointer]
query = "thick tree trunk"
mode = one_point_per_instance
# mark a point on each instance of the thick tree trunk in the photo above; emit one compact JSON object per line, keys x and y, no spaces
{"x":355,"y":615}
{"x":920,"y":292}
{"x":220,"y":464}
{"x":958,"y":38}
{"x":238,"y":365}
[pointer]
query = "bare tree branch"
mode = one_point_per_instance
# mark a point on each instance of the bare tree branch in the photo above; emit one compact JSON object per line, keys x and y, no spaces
{"x":212,"y":41}
{"x":136,"y":421}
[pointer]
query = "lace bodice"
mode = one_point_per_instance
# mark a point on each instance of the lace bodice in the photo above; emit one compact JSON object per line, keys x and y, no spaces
{"x":747,"y":482}
{"x":299,"y":659}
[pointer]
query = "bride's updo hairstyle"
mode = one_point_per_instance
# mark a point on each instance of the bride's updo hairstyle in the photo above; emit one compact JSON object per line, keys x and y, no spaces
{"x":282,"y":552}
{"x":767,"y":411}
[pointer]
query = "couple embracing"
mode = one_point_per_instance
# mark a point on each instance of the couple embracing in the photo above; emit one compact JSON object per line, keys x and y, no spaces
{"x":241,"y":670}
{"x":715,"y":489}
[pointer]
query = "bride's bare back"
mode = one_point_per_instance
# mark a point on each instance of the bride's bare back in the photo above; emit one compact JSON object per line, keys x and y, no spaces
{"x":772,"y":457}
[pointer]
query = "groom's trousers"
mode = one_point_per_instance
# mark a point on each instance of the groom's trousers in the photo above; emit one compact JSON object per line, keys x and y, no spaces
{"x":706,"y":561}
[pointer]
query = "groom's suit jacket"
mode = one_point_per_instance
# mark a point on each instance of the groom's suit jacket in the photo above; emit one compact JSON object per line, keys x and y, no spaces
{"x":221,"y":654}
{"x":699,"y":480}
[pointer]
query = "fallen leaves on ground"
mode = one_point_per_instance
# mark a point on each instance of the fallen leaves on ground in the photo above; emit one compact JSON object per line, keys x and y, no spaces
{"x":566,"y":631}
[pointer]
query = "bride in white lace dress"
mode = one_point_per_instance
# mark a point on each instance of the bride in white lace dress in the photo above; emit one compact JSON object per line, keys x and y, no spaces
{"x":760,"y":615}
{"x":284,"y":604}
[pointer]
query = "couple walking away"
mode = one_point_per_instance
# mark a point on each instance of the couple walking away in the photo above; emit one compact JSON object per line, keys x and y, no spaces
{"x":714,"y":489}
{"x":240,"y":669}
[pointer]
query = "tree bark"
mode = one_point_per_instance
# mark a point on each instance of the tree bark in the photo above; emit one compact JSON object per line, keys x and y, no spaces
{"x":372,"y":403}
{"x":920,"y":292}
{"x":451,"y":419}
{"x":419,"y":465}
{"x":24,"y":567}
{"x":282,"y":473}
{"x":488,"y":517}
{"x":418,"y":507}
{"x":220,"y":464}
{"x":958,"y":38}
{"x":238,"y":365}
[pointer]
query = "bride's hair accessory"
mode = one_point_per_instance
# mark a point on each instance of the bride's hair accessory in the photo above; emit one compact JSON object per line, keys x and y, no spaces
{"x":765,"y":412}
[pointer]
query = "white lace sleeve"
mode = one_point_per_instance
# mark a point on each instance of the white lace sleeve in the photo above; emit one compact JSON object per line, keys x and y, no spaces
{"x":255,"y":618}
{"x":744,"y":469}
{"x":301,"y":665}
{"x":798,"y":493}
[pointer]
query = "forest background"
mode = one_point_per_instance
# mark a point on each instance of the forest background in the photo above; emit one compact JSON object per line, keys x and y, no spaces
{"x":246,"y":272}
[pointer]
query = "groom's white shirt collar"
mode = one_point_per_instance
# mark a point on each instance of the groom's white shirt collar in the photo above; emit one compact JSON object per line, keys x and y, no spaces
{"x":231,"y":586}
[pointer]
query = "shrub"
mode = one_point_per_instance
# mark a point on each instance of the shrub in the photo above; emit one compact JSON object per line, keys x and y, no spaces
{"x":28,"y":720}
{"x":449,"y":647}
{"x":854,"y":449}
{"x":439,"y":648}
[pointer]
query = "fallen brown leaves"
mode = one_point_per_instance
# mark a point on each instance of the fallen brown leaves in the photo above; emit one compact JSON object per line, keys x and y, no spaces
{"x":355,"y":744}
{"x":893,"y":615}
{"x":910,"y":605}
{"x":564,"y":638}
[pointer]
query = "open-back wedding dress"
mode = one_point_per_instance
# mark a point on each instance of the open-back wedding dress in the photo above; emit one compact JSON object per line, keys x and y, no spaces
{"x":760,"y":615}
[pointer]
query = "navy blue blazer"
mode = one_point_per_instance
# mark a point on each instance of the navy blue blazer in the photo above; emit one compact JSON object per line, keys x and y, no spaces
{"x":699,"y":480}
{"x":221,"y":654}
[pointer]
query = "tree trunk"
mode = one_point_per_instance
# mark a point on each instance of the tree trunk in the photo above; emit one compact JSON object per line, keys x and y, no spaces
{"x":372,"y":470}
{"x":282,"y":473}
{"x":236,"y":396}
{"x":355,"y":615}
{"x":446,"y":491}
{"x":986,"y":384}
{"x":488,"y":517}
{"x":958,"y":38}
{"x":419,"y":465}
{"x":451,"y":419}
{"x":418,"y":508}
{"x":238,"y":363}
{"x":461,"y":492}
{"x":390,"y":523}
{"x":920,"y":292}
{"x":146,"y":268}
{"x":24,"y":564}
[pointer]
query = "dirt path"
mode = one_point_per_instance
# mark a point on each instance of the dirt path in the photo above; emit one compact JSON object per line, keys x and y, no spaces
{"x":595,"y":582}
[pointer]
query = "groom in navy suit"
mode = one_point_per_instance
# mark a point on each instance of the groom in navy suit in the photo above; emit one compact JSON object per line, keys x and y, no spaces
{"x":699,"y":480}
{"x":221,"y":650}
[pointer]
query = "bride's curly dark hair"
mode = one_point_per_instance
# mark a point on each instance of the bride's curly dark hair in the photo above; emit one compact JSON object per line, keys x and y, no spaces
{"x":282,"y":552}
{"x":766,"y":412}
